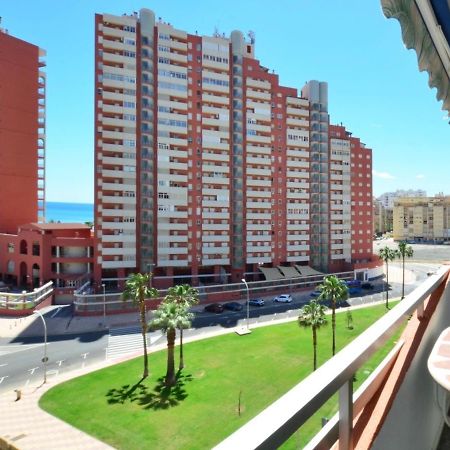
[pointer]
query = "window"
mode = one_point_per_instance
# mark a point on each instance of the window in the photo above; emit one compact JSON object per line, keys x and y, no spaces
{"x":10,"y":247}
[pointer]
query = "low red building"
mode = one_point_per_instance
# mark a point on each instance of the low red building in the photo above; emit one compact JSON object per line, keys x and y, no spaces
{"x":38,"y":253}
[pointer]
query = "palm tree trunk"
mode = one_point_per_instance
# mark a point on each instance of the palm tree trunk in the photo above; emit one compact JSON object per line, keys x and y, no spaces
{"x":181,"y":350}
{"x":144,"y":338}
{"x":333,"y":325}
{"x":170,"y":375}
{"x":403,"y":277}
{"x":314,"y":347}
{"x":387,"y":285}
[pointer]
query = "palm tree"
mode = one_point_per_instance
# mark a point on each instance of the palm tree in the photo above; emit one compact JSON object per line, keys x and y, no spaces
{"x":184,"y":296}
{"x":335,"y":290}
{"x":137,"y":290}
{"x":404,"y":251}
{"x":167,"y":319}
{"x":387,"y":254}
{"x":313,"y":315}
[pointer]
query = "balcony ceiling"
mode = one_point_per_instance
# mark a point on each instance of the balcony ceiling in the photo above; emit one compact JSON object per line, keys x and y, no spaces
{"x":425,"y":28}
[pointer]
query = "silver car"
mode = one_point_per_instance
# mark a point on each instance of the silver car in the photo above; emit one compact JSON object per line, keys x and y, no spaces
{"x":283,"y":298}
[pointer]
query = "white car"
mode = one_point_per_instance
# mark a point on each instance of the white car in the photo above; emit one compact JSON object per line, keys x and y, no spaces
{"x":283,"y":298}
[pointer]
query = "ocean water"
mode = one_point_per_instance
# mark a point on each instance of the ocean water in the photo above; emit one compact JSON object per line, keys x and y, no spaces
{"x":69,"y":212}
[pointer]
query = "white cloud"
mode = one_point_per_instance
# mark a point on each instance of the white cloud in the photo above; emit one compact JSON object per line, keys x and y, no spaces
{"x":384,"y":175}
{"x":420,"y":176}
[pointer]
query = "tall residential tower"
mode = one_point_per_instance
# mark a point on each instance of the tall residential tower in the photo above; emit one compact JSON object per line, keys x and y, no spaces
{"x":22,"y":132}
{"x":205,"y":164}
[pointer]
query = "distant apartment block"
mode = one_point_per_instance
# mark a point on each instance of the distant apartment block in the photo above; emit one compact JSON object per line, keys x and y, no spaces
{"x":205,"y":164}
{"x":382,"y":217}
{"x":388,"y":198}
{"x":422,"y":219}
{"x":22,"y":132}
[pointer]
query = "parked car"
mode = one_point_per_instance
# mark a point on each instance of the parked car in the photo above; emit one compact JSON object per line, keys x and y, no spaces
{"x":367,"y":285}
{"x":283,"y":298}
{"x":214,"y":307}
{"x":233,"y":306}
{"x":256,"y":302}
{"x":315,"y":293}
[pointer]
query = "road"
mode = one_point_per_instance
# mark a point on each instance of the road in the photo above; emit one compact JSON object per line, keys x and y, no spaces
{"x":21,"y":358}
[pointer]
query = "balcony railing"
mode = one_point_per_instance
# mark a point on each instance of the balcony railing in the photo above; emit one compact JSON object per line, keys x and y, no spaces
{"x":25,"y":300}
{"x":279,"y":421}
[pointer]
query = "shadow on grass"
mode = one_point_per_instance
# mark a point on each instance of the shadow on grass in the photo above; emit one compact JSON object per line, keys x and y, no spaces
{"x":162,"y":397}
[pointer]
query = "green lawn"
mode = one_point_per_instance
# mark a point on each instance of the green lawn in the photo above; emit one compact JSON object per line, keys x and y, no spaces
{"x":202,"y":409}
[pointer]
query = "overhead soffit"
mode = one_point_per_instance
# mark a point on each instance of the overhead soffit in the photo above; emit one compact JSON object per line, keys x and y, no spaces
{"x":422,"y":31}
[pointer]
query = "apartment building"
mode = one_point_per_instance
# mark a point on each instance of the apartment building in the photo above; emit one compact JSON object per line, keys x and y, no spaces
{"x":422,"y":219}
{"x":382,"y":217}
{"x":351,"y":207}
{"x":22,"y":132}
{"x":388,"y":198}
{"x":207,"y":165}
{"x":41,"y":252}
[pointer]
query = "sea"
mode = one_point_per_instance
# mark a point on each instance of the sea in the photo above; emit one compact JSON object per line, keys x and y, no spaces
{"x":69,"y":212}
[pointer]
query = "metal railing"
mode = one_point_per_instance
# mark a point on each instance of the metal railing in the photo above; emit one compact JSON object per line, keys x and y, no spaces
{"x":25,"y":300}
{"x":284,"y":417}
{"x":89,"y":301}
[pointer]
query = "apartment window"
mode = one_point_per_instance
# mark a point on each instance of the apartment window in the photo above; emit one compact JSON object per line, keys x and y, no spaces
{"x":10,"y":247}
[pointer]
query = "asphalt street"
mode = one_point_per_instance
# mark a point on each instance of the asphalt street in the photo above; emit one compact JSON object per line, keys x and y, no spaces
{"x":21,"y":358}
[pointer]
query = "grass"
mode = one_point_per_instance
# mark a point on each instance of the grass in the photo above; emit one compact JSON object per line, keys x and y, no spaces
{"x":115,"y":406}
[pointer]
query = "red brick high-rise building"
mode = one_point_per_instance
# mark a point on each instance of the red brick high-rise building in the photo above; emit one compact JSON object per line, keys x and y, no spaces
{"x":205,"y":164}
{"x":22,"y":132}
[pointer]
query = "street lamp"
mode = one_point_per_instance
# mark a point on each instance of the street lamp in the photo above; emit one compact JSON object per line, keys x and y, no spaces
{"x":104,"y":304}
{"x":248,"y":303}
{"x":44,"y":359}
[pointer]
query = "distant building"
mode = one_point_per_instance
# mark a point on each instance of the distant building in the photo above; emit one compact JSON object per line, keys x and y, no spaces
{"x":22,"y":132}
{"x":382,"y":217}
{"x":422,"y":219}
{"x":206,"y":165}
{"x":387,"y":199}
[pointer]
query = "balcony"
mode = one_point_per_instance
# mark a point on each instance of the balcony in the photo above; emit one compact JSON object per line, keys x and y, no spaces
{"x":396,"y":406}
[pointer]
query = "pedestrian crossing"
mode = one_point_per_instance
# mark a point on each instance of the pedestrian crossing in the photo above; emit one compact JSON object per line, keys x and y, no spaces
{"x":127,"y":340}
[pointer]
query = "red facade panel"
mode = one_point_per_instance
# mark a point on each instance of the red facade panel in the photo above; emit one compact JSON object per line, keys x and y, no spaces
{"x":19,"y":71}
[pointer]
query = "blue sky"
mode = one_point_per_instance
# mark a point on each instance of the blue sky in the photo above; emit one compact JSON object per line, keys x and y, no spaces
{"x":375,"y":88}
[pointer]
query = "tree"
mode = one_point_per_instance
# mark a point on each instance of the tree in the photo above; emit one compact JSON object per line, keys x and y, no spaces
{"x":184,"y":296}
{"x":404,"y":251}
{"x":334,"y":290}
{"x":387,"y":254}
{"x":313,"y":315}
{"x":167,"y":318}
{"x":137,"y":290}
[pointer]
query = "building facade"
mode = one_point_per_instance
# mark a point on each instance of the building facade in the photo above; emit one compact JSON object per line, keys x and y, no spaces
{"x":22,"y":132}
{"x":388,"y":198}
{"x":382,"y":218}
{"x":42,"y":252}
{"x":206,"y":165}
{"x":422,"y":219}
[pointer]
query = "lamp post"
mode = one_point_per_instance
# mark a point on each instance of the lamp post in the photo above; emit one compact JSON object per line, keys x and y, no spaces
{"x":104,"y":304}
{"x":248,"y":303}
{"x":44,"y":359}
